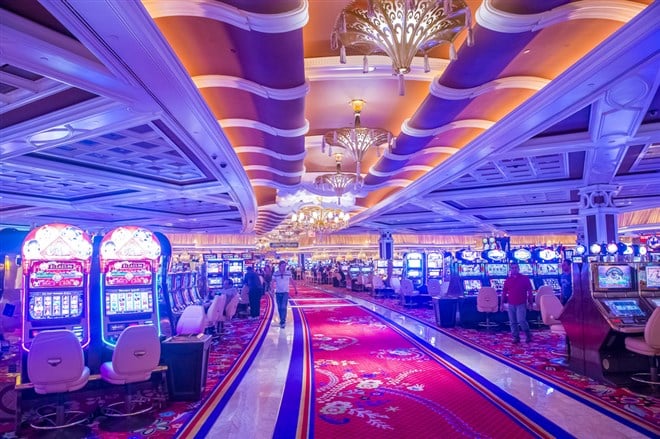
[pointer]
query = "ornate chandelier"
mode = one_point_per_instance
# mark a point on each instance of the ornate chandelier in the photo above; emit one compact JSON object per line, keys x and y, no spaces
{"x":400,"y":29}
{"x":319,"y":219}
{"x":338,"y":182}
{"x":357,"y":140}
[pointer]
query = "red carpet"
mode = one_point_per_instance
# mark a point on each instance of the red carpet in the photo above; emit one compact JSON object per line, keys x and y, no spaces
{"x":538,"y":359}
{"x":372,"y":381}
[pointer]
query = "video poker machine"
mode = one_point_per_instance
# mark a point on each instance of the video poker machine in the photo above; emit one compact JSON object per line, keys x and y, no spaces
{"x":56,"y":261}
{"x":604,"y":310}
{"x":470,"y":271}
{"x":547,"y":268}
{"x":497,"y":268}
{"x":415,"y":268}
{"x":129,"y":257}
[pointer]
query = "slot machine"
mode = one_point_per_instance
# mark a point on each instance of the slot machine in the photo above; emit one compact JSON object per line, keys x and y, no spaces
{"x":497,"y":268}
{"x":215,"y":274}
{"x":235,"y":269}
{"x":129,"y":258}
{"x":547,"y":268}
{"x":397,"y":268}
{"x":11,"y":279}
{"x":434,"y":265}
{"x":414,"y":268}
{"x":470,"y":271}
{"x":649,"y":286}
{"x":56,"y":261}
{"x":381,"y":268}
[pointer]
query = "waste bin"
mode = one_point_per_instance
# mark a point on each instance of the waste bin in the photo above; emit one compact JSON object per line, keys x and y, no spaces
{"x":445,"y":311}
{"x":186,"y":358}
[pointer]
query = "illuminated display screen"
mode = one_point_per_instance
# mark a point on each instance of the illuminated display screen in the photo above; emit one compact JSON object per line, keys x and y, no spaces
{"x":56,"y":274}
{"x":214,"y":267}
{"x":215,"y":280}
{"x":138,"y":272}
{"x":624,"y":307}
{"x":526,"y":269}
{"x":235,"y":267}
{"x":366,"y":269}
{"x":434,"y":272}
{"x":497,"y":270}
{"x":472,"y":285}
{"x":414,"y":263}
{"x":414,"y":273}
{"x":465,"y":270}
{"x":554,"y":283}
{"x":547,"y":269}
{"x":381,"y":264}
{"x":653,"y":276}
{"x":613,"y":277}
{"x":498,"y":284}
{"x":45,"y":305}
{"x":397,"y":263}
{"x":128,"y":302}
{"x":655,"y":301}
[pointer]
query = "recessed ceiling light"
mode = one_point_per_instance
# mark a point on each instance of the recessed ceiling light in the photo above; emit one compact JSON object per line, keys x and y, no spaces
{"x":526,"y":51}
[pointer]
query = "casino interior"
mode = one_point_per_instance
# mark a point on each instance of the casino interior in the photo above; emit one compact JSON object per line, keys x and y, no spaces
{"x":399,"y":155}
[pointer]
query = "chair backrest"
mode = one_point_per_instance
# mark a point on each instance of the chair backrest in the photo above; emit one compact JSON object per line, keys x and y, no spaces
{"x":444,"y":288}
{"x":407,"y":287}
{"x":434,"y":287}
{"x":542,"y":291}
{"x":215,"y":311}
{"x":652,"y":329}
{"x":487,"y":299}
{"x":192,"y":320}
{"x":137,"y":352}
{"x":378,"y":283}
{"x":551,"y":308}
{"x":395,"y":283}
{"x":230,"y":309}
{"x":55,"y":361}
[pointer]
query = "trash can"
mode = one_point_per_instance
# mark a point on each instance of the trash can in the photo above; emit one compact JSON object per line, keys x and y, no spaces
{"x":445,"y":311}
{"x":186,"y":358}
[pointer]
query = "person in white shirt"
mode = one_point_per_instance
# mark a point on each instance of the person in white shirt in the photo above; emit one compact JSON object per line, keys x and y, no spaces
{"x":282,"y":281}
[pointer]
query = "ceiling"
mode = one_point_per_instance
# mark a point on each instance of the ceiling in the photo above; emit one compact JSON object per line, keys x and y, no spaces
{"x":192,"y":116}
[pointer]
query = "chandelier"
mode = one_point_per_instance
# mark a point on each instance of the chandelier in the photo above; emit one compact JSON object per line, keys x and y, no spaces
{"x":338,"y":182}
{"x":357,"y":140}
{"x":400,"y":29}
{"x":319,"y":219}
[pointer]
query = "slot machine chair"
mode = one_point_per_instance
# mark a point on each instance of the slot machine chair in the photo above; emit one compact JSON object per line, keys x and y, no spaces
{"x":542,"y":291}
{"x":487,"y":302}
{"x":380,"y":290}
{"x":192,"y":320}
{"x":56,"y":365}
{"x":215,"y":313}
{"x":407,"y":292}
{"x":395,"y":284}
{"x":434,"y":287}
{"x":135,"y":357}
{"x":648,"y":345}
{"x":551,"y":309}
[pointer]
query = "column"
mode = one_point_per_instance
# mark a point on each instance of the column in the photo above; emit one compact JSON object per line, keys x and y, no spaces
{"x":599,"y":214}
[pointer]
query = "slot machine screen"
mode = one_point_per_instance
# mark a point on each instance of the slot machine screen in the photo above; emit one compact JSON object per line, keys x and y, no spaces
{"x":471,"y":285}
{"x":365,"y":269}
{"x":397,"y":263}
{"x":497,"y":270}
{"x":466,"y":270}
{"x":554,"y":283}
{"x":653,"y":276}
{"x":498,"y":284}
{"x":613,"y":278}
{"x":414,"y":263}
{"x":548,"y":270}
{"x":414,"y":273}
{"x":128,"y":302}
{"x":624,"y":307}
{"x":214,"y":267}
{"x":46,"y":305}
{"x":215,"y":281}
{"x":526,"y":269}
{"x":235,"y":267}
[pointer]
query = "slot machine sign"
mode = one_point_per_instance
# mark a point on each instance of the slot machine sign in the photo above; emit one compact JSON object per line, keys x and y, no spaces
{"x":128,"y":273}
{"x":129,"y":243}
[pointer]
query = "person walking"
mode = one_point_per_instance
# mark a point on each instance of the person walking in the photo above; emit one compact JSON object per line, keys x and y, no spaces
{"x":566,"y":282}
{"x":282,"y":281}
{"x":517,"y":293}
{"x":254,"y":291}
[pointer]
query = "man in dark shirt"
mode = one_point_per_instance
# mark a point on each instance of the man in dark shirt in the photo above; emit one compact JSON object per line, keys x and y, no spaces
{"x":254,"y":291}
{"x":517,"y":293}
{"x":566,"y":282}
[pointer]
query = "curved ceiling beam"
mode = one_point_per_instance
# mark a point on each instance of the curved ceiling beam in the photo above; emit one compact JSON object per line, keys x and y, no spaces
{"x":457,"y":94}
{"x":274,"y":171}
{"x":494,"y":19}
{"x":251,"y":21}
{"x":431,"y":132}
{"x":269,"y":152}
{"x":224,"y":81}
{"x":407,"y":168}
{"x":430,"y":150}
{"x":255,"y":124}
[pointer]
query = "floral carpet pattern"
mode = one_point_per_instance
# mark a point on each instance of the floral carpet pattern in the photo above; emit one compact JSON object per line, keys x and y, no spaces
{"x":540,"y":358}
{"x":164,"y":423}
{"x":371,"y":380}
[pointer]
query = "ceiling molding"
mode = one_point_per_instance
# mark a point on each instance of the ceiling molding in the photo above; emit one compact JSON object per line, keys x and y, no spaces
{"x":223,"y":81}
{"x":455,"y":94}
{"x":380,"y":67}
{"x":458,"y":124}
{"x":269,"y":152}
{"x":268,"y":129}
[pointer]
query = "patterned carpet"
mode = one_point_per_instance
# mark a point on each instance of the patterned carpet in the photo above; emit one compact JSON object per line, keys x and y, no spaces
{"x":226,"y":357}
{"x":540,"y":359}
{"x":372,"y":380}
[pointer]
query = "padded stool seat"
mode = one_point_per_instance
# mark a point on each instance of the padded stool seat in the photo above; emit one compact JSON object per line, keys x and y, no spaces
{"x":648,"y":345}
